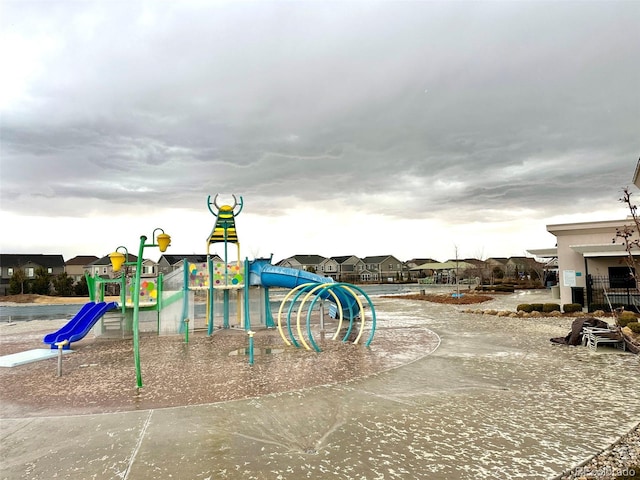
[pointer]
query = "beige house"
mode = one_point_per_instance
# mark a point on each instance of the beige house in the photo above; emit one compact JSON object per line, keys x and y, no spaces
{"x":592,"y":269}
{"x":349,"y":268}
{"x":309,"y":263}
{"x":76,"y":266}
{"x":594,"y":266}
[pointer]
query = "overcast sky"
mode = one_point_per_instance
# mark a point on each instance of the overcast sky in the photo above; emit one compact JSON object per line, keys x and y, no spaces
{"x":368,"y":128}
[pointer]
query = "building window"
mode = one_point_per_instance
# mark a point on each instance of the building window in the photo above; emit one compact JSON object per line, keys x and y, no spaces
{"x":28,"y":272}
{"x":49,"y":270}
{"x":97,"y":271}
{"x":104,"y":270}
{"x":621,"y":277}
{"x":10,"y":271}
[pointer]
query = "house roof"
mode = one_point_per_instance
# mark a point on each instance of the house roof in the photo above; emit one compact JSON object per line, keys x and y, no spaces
{"x":377,"y":259}
{"x":82,"y":260}
{"x":420,"y":261}
{"x":19,"y":259}
{"x":501,"y":260}
{"x":342,"y":258}
{"x":308,"y":259}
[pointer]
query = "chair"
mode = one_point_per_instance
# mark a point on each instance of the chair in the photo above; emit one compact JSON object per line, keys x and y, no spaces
{"x":592,"y":337}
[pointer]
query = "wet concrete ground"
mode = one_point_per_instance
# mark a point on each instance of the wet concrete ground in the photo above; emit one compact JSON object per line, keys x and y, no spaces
{"x":495,"y":400}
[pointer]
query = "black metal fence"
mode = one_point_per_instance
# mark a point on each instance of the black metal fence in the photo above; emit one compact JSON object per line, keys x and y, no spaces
{"x":602,"y":296}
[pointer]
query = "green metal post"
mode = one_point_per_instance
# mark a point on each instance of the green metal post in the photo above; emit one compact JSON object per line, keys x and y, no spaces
{"x":185,"y":293}
{"x":247,"y":318}
{"x":136,"y":312}
{"x":159,"y":299}
{"x":211,"y":296}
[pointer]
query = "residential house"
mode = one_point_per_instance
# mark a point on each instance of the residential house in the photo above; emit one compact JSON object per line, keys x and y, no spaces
{"x":309,"y":263}
{"x":168,"y":263}
{"x":329,"y":268}
{"x":349,"y":269}
{"x":497,"y":267}
{"x":76,"y":266}
{"x":525,"y":267}
{"x":386,"y":268}
{"x":29,"y":263}
{"x":102,"y":267}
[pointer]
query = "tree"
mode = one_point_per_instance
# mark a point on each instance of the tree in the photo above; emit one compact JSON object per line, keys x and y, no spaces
{"x":17,"y":282}
{"x":63,"y":285}
{"x":42,"y":282}
{"x":631,"y":242}
{"x":81,"y":288}
{"x":497,"y":272}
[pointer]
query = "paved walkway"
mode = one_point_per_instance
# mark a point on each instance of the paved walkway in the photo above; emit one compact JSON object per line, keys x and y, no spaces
{"x":495,"y":400}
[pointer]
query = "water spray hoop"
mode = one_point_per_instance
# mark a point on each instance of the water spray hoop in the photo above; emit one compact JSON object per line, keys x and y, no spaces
{"x":322,"y":291}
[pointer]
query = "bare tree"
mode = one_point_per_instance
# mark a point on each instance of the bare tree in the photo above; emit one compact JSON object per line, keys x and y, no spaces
{"x":628,"y":234}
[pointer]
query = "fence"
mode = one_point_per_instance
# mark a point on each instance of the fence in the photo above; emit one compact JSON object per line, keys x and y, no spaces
{"x":600,"y":294}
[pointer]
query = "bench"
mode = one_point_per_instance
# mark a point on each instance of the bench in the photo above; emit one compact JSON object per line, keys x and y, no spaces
{"x":592,"y":337}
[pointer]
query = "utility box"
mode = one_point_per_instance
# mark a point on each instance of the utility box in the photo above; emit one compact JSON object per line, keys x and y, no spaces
{"x":577,"y":295}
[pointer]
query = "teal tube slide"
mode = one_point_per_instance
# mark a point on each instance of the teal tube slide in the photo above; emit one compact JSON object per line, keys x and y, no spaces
{"x":266,"y":275}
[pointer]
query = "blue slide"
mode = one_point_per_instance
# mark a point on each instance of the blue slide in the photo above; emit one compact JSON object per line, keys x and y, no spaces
{"x":267,"y":275}
{"x":80,"y":324}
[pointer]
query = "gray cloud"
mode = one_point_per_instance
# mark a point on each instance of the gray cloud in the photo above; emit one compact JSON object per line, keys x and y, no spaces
{"x":416,"y":110}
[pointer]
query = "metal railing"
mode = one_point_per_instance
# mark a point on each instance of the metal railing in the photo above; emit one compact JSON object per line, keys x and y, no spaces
{"x":600,"y":295}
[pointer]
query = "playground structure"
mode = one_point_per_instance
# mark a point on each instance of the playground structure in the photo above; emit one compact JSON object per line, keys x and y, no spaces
{"x":237,"y":295}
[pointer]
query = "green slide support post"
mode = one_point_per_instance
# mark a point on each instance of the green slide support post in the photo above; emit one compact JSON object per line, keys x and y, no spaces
{"x":91,"y":285}
{"x":211,"y":297}
{"x":185,"y":295}
{"x":159,"y":298}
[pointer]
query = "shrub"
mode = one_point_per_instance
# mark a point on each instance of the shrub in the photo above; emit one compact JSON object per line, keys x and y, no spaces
{"x":537,"y":307}
{"x":627,"y":315}
{"x":634,"y":327}
{"x":525,"y":307}
{"x":603,"y":306}
{"x":571,"y":307}
{"x":626,"y":318}
{"x":550,"y":307}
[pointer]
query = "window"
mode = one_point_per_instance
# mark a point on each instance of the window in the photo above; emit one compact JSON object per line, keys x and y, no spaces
{"x":28,"y":271}
{"x":104,"y":270}
{"x":96,"y":271}
{"x":391,"y":266}
{"x":49,"y":270}
{"x":10,"y":271}
{"x":621,"y":277}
